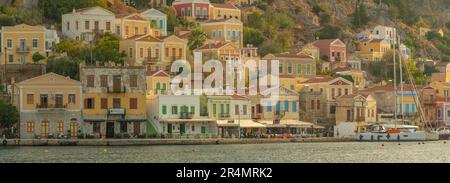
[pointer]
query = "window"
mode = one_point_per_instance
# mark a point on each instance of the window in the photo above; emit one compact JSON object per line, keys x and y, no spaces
{"x":448,"y":113}
{"x":174,"y":52}
{"x":333,"y":93}
{"x":312,"y":104}
{"x":236,"y":109}
{"x":30,"y":126}
{"x":318,"y":104}
{"x":286,"y":106}
{"x":59,"y":100}
{"x":299,"y":68}
{"x":10,"y":58}
{"x":244,"y":109}
{"x":96,"y":127}
{"x":104,"y":103}
{"x":30,"y":99}
{"x":90,"y":81}
{"x":290,"y":68}
{"x":35,"y":43}
{"x":269,"y":106}
{"x":108,"y":26}
{"x":96,"y":27}
{"x":308,"y":69}
{"x":294,"y":106}
{"x":123,"y":127}
{"x":86,"y":25}
{"x":182,"y":12}
{"x":193,"y":128}
{"x":130,"y":53}
{"x":228,"y":109}
{"x":180,"y":52}
{"x":192,"y":109}
{"x":89,"y":103}
{"x":339,"y":92}
{"x":189,"y":12}
{"x":332,"y":109}
{"x":136,"y":30}
{"x":164,"y":109}
{"x":60,"y":127}
{"x":346,"y":91}
{"x":118,"y":30}
{"x":68,"y":25}
{"x":9,"y":43}
{"x":174,"y":109}
{"x":214,"y":34}
{"x":145,"y":30}
{"x":116,"y":103}
{"x":280,"y":68}
{"x":203,"y":130}
{"x":127,"y":31}
{"x":158,"y":86}
{"x":133,"y":80}
{"x":214,"y":109}
{"x":133,"y":103}
{"x":141,"y":52}
{"x":104,"y":81}
{"x":167,"y":52}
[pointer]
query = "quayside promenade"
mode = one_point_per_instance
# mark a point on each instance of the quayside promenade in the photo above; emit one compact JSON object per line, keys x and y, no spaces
{"x":135,"y":142}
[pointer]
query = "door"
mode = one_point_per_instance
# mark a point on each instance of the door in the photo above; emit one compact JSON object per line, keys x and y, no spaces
{"x":73,"y":129}
{"x":169,"y":128}
{"x":44,"y":129}
{"x":44,"y":101}
{"x":110,"y":130}
{"x":117,"y":86}
{"x":136,"y":128}
{"x":22,"y":44}
{"x":182,"y":128}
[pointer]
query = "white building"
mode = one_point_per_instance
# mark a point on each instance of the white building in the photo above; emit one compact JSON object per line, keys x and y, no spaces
{"x":51,"y":39}
{"x":179,"y":115}
{"x":384,"y":32}
{"x":84,"y":23}
{"x":405,"y":51}
{"x":160,"y":19}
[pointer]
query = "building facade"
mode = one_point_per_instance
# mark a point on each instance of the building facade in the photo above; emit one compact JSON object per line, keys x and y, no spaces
{"x":333,"y":49}
{"x":296,"y":64}
{"x":373,"y":50}
{"x":229,"y":30}
{"x":114,"y":100}
{"x":84,"y":24}
{"x":50,"y":106}
{"x":134,"y":24}
{"x":157,"y":18}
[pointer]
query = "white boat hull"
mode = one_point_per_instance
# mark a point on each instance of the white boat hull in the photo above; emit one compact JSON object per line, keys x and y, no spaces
{"x":402,"y":136}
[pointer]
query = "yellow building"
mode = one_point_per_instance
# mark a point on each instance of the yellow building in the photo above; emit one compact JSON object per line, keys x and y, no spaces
{"x":50,"y":106}
{"x":222,"y":51}
{"x":158,"y":83}
{"x":157,"y":52}
{"x":133,"y":24}
{"x":22,"y":41}
{"x":224,"y":30}
{"x":358,"y":76}
{"x":114,"y":100}
{"x":443,"y":89}
{"x":224,"y":11}
{"x":372,"y":49}
{"x":356,"y":108}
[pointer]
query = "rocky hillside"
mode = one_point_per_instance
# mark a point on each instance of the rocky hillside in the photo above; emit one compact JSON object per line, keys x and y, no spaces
{"x":406,"y":15}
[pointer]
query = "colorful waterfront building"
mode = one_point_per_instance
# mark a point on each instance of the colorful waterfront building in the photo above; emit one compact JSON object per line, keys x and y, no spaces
{"x":157,"y":18}
{"x":114,"y":100}
{"x":356,"y":108}
{"x":224,"y":11}
{"x":85,"y":23}
{"x":129,"y":25}
{"x":181,"y":115}
{"x":156,"y":52}
{"x":358,"y":76}
{"x":372,"y":50}
{"x":228,"y":30}
{"x":20,"y":42}
{"x":318,"y":99}
{"x":198,"y":10}
{"x":158,"y":83}
{"x":442,"y":88}
{"x":296,"y":64}
{"x":50,"y":106}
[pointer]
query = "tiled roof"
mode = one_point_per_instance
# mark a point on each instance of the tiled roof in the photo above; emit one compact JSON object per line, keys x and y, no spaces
{"x":292,"y":55}
{"x":238,"y":97}
{"x":208,"y":46}
{"x":319,"y":80}
{"x":227,"y":6}
{"x":323,"y":43}
{"x":158,"y":73}
{"x":285,"y":76}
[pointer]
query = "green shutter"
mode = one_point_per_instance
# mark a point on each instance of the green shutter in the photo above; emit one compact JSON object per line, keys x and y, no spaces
{"x":228,"y":109}
{"x":299,"y":68}
{"x":158,"y":86}
{"x":308,"y":69}
{"x":203,"y":129}
{"x":192,"y":109}
{"x":164,"y":109}
{"x":214,"y":109}
{"x":289,"y":68}
{"x":164,"y":86}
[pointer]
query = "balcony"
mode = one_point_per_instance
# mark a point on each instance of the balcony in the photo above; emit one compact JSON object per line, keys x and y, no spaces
{"x":204,"y":114}
{"x":256,"y":116}
{"x":160,"y":92}
{"x":51,"y":106}
{"x":116,"y":89}
{"x":201,"y":17}
{"x":224,"y":115}
{"x":151,"y":60}
{"x":23,"y":49}
{"x":186,"y":115}
{"x":176,"y":58}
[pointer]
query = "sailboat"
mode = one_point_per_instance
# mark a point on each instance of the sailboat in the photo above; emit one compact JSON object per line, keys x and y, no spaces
{"x":400,"y":132}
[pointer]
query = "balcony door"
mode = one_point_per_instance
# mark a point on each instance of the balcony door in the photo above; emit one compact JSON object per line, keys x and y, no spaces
{"x":44,"y":128}
{"x":117,"y":83}
{"x":44,"y":101}
{"x":22,"y":44}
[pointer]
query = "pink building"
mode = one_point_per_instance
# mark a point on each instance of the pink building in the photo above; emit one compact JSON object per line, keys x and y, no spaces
{"x":196,"y":9}
{"x":334,"y":49}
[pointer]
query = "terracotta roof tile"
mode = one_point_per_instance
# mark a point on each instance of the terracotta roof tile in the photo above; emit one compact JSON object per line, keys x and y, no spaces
{"x":227,"y":6}
{"x":319,"y":80}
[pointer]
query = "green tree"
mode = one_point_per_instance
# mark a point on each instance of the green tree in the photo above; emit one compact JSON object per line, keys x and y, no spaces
{"x":7,"y":20}
{"x":55,"y":9}
{"x":8,"y":115}
{"x":324,"y":18}
{"x":64,"y":66}
{"x":253,"y":36}
{"x":329,"y":32}
{"x":73,"y":48}
{"x":37,"y":57}
{"x":360,"y":17}
{"x":196,"y":39}
{"x":318,"y":8}
{"x":107,"y":49}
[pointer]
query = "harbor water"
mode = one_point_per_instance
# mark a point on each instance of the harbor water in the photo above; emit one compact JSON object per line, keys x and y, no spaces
{"x":325,"y":152}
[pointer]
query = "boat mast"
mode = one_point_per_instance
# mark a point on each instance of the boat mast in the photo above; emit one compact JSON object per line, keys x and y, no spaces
{"x":401,"y":79}
{"x":395,"y":90}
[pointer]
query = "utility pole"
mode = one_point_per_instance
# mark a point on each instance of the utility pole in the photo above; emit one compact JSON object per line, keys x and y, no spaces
{"x":4,"y":73}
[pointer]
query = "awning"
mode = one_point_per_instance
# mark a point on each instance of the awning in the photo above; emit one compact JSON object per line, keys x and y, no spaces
{"x":296,"y":123}
{"x":269,"y":124}
{"x":250,"y":124}
{"x":318,"y":127}
{"x":94,"y":120}
{"x":227,"y":123}
{"x":187,"y":120}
